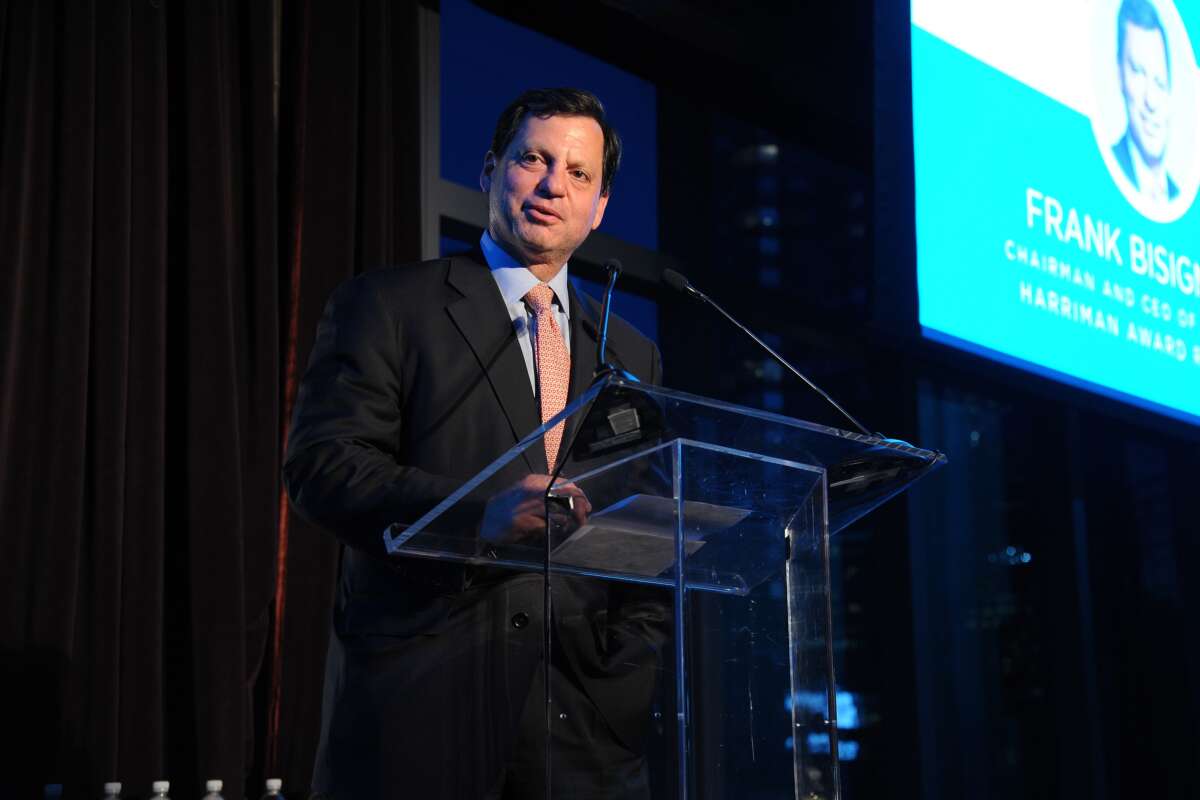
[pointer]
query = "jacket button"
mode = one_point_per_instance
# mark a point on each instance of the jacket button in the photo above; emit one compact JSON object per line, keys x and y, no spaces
{"x":520,"y":620}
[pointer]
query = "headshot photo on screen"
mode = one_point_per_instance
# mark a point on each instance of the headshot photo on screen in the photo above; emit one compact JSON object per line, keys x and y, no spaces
{"x":1146,"y":105}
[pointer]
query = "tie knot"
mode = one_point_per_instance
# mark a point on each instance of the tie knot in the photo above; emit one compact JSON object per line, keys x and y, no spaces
{"x":539,"y":298}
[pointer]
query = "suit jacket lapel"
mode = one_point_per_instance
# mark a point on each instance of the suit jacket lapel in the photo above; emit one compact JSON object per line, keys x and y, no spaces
{"x":583,"y":344}
{"x":484,"y":322}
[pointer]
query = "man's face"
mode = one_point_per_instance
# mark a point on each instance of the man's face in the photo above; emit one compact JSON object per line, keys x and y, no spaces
{"x":1146,"y":83}
{"x":544,"y":190}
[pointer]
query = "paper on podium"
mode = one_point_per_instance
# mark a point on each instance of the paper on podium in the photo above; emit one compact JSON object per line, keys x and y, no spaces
{"x":637,"y":535}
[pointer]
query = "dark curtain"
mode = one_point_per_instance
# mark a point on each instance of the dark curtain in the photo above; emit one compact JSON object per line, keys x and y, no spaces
{"x":165,"y":249}
{"x":350,"y":143}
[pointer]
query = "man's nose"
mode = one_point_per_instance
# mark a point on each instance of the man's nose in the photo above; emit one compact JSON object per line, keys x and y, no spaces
{"x":554,"y":182}
{"x":1156,"y":96}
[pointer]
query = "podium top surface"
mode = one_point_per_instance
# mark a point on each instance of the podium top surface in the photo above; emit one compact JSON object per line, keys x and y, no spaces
{"x":616,"y":419}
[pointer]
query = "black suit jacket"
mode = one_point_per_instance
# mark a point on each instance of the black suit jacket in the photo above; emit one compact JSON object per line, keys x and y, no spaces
{"x":416,"y":383}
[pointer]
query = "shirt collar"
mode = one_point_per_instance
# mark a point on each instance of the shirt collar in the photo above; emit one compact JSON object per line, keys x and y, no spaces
{"x":515,"y":281}
{"x":1150,"y":182}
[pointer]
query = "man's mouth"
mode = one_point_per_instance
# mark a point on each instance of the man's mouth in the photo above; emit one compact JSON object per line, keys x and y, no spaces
{"x":541,"y":212}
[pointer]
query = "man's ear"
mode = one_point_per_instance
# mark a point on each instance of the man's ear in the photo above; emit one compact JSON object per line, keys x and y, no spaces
{"x":485,"y":176}
{"x":601,"y":204}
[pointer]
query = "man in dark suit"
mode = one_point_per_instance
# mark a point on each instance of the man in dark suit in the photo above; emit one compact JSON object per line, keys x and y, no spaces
{"x":420,"y":376}
{"x":1144,"y":61}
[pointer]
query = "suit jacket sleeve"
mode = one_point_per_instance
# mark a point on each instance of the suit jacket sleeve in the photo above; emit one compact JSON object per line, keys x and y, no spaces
{"x":342,"y":469}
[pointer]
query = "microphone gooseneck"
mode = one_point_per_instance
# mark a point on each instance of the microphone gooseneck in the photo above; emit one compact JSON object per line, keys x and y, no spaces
{"x":681,"y":284}
{"x":613,"y":268}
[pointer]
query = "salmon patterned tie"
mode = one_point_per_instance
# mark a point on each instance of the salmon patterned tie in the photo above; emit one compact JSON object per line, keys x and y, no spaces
{"x":553,"y":365}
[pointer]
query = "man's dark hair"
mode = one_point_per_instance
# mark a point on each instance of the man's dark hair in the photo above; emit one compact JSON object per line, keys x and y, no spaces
{"x":546,"y":103}
{"x":1142,"y":14}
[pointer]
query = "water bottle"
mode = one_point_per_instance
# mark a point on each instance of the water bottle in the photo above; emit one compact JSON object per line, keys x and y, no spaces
{"x":112,"y":791}
{"x":213,"y":787}
{"x":160,"y":789}
{"x":274,"y":785}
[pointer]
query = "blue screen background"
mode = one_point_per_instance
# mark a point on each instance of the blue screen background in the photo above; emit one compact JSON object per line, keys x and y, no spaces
{"x":981,"y":140}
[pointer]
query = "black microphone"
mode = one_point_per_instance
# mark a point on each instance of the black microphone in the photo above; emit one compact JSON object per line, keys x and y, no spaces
{"x":613,"y":268}
{"x":603,"y":367}
{"x":681,"y":284}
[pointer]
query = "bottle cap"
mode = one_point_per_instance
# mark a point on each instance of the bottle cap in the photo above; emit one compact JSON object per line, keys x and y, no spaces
{"x":213,"y":786}
{"x":160,"y":786}
{"x":274,"y":784}
{"x":112,"y":787}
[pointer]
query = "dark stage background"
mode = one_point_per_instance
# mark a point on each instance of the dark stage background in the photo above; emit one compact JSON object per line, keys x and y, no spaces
{"x":183,"y":184}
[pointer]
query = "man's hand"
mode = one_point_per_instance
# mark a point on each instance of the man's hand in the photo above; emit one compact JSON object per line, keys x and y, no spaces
{"x":517,"y":515}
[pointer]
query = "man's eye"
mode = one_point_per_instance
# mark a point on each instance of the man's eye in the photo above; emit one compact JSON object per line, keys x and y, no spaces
{"x":530,"y":158}
{"x":581,"y":175}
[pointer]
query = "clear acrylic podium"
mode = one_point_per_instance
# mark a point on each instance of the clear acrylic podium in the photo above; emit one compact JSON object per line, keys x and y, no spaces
{"x":691,"y":602}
